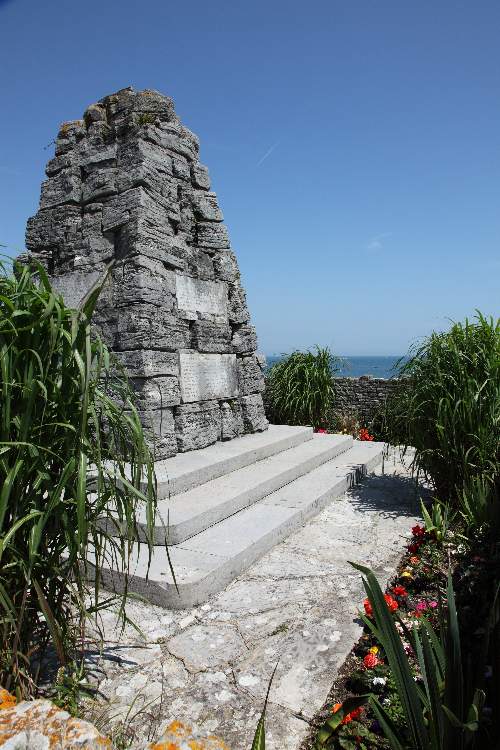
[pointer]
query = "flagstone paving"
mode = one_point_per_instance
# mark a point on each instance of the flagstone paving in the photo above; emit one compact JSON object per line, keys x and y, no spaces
{"x":297,"y":606}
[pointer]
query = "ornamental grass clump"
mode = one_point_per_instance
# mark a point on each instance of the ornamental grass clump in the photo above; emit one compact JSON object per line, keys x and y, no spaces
{"x":300,"y":388}
{"x":450,"y":410}
{"x":66,"y":413}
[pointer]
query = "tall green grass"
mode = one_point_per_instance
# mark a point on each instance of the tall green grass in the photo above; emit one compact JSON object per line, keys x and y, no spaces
{"x":300,"y":388}
{"x":450,"y":411}
{"x":65,"y":411}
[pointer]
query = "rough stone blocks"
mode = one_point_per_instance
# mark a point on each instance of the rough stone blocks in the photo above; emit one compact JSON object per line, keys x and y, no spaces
{"x":125,"y":186}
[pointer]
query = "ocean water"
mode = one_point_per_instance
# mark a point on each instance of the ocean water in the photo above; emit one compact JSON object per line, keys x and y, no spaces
{"x":354,"y":367}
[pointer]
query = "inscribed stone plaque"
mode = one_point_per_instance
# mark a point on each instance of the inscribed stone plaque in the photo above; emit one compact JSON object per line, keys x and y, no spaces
{"x":200,"y":295}
{"x":207,"y":376}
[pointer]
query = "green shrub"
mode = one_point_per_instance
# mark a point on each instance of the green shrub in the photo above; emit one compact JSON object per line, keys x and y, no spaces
{"x":62,"y":415}
{"x":300,"y":388}
{"x":450,"y":410}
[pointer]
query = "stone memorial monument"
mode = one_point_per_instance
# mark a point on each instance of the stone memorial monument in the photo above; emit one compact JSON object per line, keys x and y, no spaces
{"x":125,"y":186}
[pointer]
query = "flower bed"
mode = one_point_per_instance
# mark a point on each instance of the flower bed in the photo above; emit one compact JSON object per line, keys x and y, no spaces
{"x":415,"y":599}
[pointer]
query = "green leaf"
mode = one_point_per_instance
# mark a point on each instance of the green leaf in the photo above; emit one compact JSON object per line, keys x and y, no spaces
{"x":397,"y":658}
{"x":259,"y":740}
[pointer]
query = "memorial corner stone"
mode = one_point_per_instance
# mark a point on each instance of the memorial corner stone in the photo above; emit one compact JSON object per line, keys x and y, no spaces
{"x":125,"y":186}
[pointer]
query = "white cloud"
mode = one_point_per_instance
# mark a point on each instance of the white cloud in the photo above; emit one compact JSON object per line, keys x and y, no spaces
{"x":377,"y":242}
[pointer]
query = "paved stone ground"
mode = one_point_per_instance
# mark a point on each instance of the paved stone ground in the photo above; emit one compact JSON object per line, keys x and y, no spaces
{"x":210,"y":666}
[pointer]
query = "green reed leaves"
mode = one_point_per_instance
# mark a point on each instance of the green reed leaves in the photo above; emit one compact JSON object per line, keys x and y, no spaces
{"x":66,"y":413}
{"x":300,"y":388}
{"x":450,"y":411}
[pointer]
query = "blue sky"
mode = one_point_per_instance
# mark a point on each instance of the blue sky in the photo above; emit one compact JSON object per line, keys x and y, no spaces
{"x":354,"y":146}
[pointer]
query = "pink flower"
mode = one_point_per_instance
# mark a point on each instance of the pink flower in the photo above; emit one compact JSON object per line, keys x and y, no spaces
{"x":322,"y":431}
{"x":421,"y":606}
{"x":432,"y":604}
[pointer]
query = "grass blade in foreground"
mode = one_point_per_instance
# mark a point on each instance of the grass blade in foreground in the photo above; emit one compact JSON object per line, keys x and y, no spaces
{"x":64,"y":407}
{"x":259,"y":740}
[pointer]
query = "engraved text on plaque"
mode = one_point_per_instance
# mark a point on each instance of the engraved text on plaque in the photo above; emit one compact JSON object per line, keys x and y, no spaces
{"x":201,"y":296}
{"x":207,"y":376}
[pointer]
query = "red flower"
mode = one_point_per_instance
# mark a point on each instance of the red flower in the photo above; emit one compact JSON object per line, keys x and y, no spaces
{"x":322,"y":431}
{"x":350,"y":716}
{"x":364,"y":434}
{"x":399,"y":591}
{"x":391,"y":603}
{"x":412,"y":548}
{"x":370,"y":661}
{"x":418,"y":531}
{"x":353,"y":715}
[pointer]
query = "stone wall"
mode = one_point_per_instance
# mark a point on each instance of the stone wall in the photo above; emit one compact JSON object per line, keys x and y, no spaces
{"x":364,"y":396}
{"x":126,"y":187}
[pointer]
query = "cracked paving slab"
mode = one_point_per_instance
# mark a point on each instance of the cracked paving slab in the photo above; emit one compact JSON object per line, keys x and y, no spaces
{"x":297,"y":605}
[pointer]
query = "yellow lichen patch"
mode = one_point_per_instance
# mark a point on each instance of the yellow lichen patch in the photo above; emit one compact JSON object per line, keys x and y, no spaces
{"x":61,"y":730}
{"x":104,"y":741}
{"x":7,"y":700}
{"x":178,"y":729}
{"x":179,"y":736}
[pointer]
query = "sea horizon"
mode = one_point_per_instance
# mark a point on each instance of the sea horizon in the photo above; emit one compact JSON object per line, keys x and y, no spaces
{"x":377,"y":366}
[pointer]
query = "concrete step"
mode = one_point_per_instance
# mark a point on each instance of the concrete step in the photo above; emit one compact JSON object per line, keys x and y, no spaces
{"x":188,"y":513}
{"x":207,"y":562}
{"x":186,"y":470}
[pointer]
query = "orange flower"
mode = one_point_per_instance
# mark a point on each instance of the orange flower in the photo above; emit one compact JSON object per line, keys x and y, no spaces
{"x":414,"y":560}
{"x":368,"y":607}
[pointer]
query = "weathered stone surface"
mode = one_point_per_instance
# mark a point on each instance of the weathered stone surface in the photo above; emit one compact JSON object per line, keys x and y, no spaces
{"x":226,"y":266}
{"x":364,"y":397}
{"x":205,"y":206}
{"x":212,"y":235}
{"x":245,"y":340}
{"x":75,"y":286}
{"x":201,"y":296}
{"x":126,"y":186}
{"x":249,"y":376}
{"x":197,"y":425}
{"x":200,"y":176}
{"x":211,"y":337}
{"x":160,"y":421}
{"x":254,"y":416}
{"x":140,"y":285}
{"x":39,"y":725}
{"x":298,"y":605}
{"x":207,"y":376}
{"x":159,"y":426}
{"x":149,"y":363}
{"x":156,"y":392}
{"x":231,"y":420}
{"x":220,"y":647}
{"x":179,"y":736}
{"x":238,"y":310}
{"x":147,"y":327}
